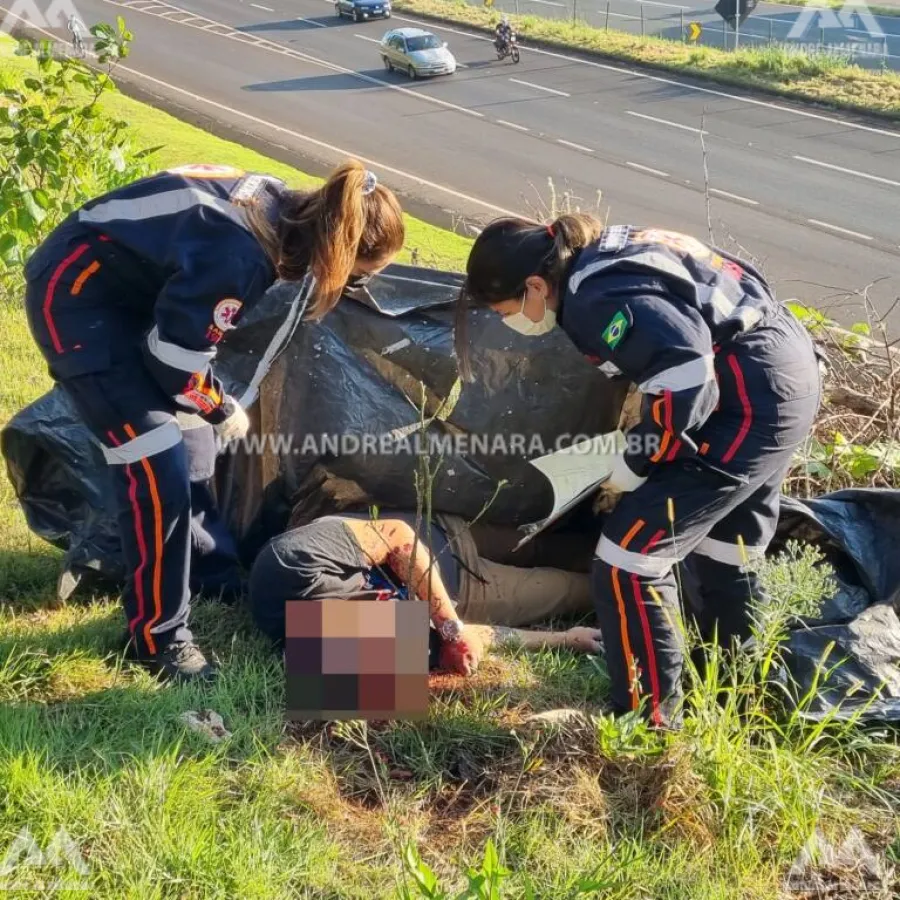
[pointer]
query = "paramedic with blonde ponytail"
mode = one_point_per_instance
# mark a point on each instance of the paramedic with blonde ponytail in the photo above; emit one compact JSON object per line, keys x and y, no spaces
{"x":731,"y":387}
{"x":128,"y":299}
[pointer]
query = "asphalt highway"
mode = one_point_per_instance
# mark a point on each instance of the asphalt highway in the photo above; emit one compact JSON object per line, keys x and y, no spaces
{"x":813,"y":198}
{"x":873,"y":39}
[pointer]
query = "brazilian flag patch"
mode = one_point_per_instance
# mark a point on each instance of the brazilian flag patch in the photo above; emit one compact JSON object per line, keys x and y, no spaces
{"x":615,"y":331}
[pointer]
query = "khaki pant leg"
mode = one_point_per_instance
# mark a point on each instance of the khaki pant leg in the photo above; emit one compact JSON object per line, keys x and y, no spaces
{"x":519,"y":597}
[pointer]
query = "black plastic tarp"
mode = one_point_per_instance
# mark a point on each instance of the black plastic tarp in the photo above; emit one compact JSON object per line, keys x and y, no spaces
{"x":364,"y":371}
{"x":373,"y":368}
{"x":858,"y":627}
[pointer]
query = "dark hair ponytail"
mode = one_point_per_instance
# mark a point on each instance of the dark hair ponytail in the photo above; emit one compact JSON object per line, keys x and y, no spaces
{"x":506,"y":254}
{"x":327,"y":230}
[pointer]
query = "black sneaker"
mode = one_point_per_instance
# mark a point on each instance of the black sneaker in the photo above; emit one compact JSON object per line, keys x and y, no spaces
{"x":181,"y":661}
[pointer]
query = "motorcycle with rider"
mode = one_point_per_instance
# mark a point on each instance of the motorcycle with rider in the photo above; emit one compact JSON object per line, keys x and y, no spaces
{"x":505,"y":41}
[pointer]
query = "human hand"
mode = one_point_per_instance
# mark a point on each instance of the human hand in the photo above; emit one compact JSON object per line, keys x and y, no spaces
{"x":606,"y":501}
{"x":235,"y":426}
{"x":584,"y":640}
{"x":464,"y":655}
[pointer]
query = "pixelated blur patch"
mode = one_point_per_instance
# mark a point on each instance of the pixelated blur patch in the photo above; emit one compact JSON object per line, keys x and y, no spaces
{"x":356,"y":659}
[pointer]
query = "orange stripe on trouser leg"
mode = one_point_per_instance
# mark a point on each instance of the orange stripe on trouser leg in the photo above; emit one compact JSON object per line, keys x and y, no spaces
{"x":648,"y":637}
{"x":623,"y":620}
{"x":139,"y":536}
{"x":83,"y":277}
{"x":158,"y":541}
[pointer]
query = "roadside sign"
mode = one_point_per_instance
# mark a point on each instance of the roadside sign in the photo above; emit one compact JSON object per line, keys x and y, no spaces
{"x":694,"y":31}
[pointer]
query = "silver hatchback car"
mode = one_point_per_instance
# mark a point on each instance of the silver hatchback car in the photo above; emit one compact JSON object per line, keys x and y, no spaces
{"x":417,"y":53}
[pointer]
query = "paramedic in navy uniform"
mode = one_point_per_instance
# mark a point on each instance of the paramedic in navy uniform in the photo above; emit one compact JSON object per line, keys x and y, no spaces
{"x":127,"y":300}
{"x":731,"y":387}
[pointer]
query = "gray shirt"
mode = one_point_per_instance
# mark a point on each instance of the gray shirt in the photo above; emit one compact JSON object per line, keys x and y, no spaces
{"x":323,"y":560}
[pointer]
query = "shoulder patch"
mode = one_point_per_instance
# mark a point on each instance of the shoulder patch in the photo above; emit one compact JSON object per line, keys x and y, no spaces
{"x":616,"y":330}
{"x":614,"y":238}
{"x":249,"y":189}
{"x":225,"y":312}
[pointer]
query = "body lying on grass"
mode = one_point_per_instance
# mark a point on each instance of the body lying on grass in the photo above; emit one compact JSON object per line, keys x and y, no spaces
{"x":356,"y":556}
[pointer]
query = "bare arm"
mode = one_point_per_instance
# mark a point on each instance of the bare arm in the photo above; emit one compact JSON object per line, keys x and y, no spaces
{"x":392,"y":542}
{"x":586,"y":640}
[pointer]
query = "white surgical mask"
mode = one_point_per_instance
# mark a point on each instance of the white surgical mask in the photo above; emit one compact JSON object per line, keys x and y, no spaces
{"x":523,"y":325}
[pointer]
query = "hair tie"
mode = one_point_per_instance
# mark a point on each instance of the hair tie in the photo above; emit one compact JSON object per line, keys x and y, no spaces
{"x":551,"y":231}
{"x":369,"y":184}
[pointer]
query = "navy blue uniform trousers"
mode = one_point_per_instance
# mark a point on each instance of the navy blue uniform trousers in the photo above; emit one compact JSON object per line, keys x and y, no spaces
{"x":769,"y":389}
{"x":160,"y":464}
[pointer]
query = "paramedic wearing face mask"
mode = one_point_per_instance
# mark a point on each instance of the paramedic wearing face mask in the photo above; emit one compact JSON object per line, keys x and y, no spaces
{"x":731,"y":388}
{"x":127,"y":300}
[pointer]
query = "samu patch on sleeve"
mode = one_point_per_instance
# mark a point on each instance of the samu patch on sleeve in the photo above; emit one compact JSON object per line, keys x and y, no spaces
{"x":616,"y":329}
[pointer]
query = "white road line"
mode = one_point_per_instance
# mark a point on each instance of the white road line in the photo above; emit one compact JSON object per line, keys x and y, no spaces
{"x":272,"y":46}
{"x":365,"y":37}
{"x":546,"y":3}
{"x":734,"y":196}
{"x":638,"y":115}
{"x":635,"y":165}
{"x":659,"y":3}
{"x":266,"y":8}
{"x":311,"y":22}
{"x":632,"y":73}
{"x":540,"y":87}
{"x":511,"y":125}
{"x":339,"y":151}
{"x":574,"y":146}
{"x":837,"y":228}
{"x":825,"y":165}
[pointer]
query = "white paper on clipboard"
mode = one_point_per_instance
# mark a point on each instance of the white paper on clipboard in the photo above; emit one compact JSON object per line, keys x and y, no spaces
{"x":574,"y":473}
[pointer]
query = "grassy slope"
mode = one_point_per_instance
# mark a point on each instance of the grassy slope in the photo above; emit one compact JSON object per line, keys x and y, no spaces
{"x":792,"y":75}
{"x":719,"y":812}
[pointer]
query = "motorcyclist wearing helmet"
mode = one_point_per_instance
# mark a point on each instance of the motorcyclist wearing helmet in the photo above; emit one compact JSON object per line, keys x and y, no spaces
{"x":504,"y":33}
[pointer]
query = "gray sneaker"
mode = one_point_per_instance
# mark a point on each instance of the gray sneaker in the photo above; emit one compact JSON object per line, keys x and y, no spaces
{"x":180,"y":661}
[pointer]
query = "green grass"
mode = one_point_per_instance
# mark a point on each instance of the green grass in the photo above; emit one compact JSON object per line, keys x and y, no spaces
{"x":801,"y":76}
{"x":717,"y":812}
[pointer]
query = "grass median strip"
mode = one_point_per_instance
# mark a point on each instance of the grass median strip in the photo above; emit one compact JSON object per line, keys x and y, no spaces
{"x":798,"y":75}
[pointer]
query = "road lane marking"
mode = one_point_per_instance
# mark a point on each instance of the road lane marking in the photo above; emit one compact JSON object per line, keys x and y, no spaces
{"x":574,"y":146}
{"x":825,"y":165}
{"x":511,"y":125}
{"x":641,"y":168}
{"x":311,"y":22}
{"x":838,"y":228}
{"x":272,"y":46}
{"x":540,"y":87}
{"x":339,"y":151}
{"x":659,"y":3}
{"x":730,"y":196}
{"x":547,"y":3}
{"x":266,"y":8}
{"x":638,"y":115}
{"x":683,"y":85}
{"x":365,"y":37}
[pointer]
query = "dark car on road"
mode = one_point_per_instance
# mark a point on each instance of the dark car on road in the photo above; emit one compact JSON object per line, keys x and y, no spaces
{"x":361,"y":10}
